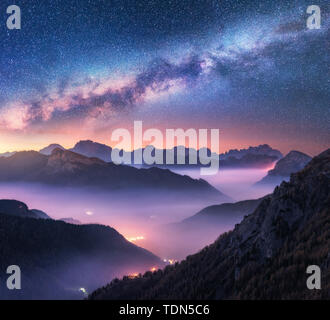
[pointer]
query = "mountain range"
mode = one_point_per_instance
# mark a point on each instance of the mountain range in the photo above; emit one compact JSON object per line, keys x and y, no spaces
{"x":263,"y":257}
{"x":66,"y":168}
{"x":254,"y":157}
{"x":263,"y":149}
{"x":58,"y":259}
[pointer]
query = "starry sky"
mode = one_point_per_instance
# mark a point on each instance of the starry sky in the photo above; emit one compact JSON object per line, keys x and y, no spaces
{"x":80,"y":68}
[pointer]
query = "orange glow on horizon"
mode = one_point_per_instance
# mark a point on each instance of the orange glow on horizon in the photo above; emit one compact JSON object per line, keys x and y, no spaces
{"x":68,"y":134}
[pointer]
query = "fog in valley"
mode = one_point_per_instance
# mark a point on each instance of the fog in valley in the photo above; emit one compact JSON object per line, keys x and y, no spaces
{"x":236,"y":183}
{"x":144,"y":217}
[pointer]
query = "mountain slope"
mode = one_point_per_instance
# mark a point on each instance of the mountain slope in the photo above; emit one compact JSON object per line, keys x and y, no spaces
{"x":58,"y":258}
{"x":291,"y":163}
{"x":222,"y":213}
{"x":20,"y":209}
{"x":177,"y":240}
{"x":264,"y":257}
{"x":66,"y":168}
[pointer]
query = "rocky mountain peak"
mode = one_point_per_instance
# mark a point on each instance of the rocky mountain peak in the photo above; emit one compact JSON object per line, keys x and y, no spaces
{"x":291,"y":163}
{"x":90,"y":148}
{"x":48,"y":150}
{"x":63,"y":160}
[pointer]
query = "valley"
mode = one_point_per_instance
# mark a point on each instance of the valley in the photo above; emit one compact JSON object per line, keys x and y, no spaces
{"x":170,"y":223}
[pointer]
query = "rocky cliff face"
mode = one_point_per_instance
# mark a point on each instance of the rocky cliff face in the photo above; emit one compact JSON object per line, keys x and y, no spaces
{"x":290,"y":206}
{"x":291,"y":163}
{"x":264,"y":257}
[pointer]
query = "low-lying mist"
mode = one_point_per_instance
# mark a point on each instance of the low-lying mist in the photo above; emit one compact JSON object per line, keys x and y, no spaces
{"x":236,"y":183}
{"x":130,"y":212}
{"x":141,"y":214}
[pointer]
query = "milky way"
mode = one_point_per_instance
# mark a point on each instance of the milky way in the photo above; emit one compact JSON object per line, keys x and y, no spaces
{"x":251,"y":68}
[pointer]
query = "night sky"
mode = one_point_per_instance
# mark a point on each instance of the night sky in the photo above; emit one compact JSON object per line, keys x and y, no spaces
{"x":78,"y":69}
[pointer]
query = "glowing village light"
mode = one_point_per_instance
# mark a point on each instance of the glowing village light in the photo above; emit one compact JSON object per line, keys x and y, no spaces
{"x":83,"y":290}
{"x":170,"y":261}
{"x":133,"y":239}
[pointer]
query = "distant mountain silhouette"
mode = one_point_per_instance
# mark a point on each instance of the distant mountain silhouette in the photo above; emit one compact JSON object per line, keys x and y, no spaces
{"x":193,"y":233}
{"x":261,"y":156}
{"x":261,"y":150}
{"x":253,"y":157}
{"x":66,"y":168}
{"x":71,"y":220}
{"x":264,"y":257}
{"x":291,"y":163}
{"x":7,"y":154}
{"x":92,"y":149}
{"x":248,"y":161}
{"x":221,"y":214}
{"x":58,"y":258}
{"x":20,"y":209}
{"x":48,"y":150}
